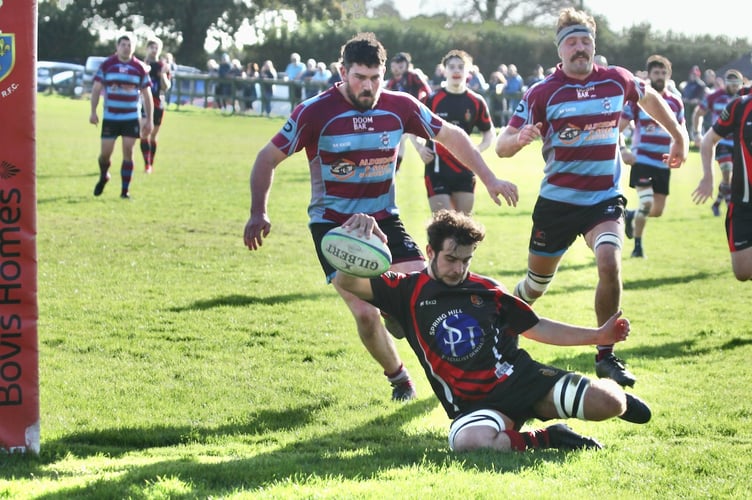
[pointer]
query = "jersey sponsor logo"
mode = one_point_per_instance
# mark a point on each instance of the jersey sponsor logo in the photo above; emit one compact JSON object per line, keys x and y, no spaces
{"x":457,"y":335}
{"x":343,"y":169}
{"x":375,"y":167}
{"x":608,"y":124}
{"x":606,"y":105}
{"x":423,"y":303}
{"x":569,"y":134}
{"x":363,"y":123}
{"x":586,"y":93}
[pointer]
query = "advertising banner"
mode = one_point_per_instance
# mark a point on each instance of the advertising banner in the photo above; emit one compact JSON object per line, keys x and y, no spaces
{"x":19,"y":372}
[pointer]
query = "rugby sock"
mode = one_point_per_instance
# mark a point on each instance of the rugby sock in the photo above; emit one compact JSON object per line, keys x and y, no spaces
{"x":521,"y":441}
{"x":637,"y":242}
{"x":153,"y":148}
{"x":603,"y":351}
{"x":146,"y":151}
{"x":126,"y":173}
{"x":104,"y":166}
{"x":398,"y":377}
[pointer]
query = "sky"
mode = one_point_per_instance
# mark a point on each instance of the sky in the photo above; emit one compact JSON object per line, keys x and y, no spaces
{"x":661,"y":15}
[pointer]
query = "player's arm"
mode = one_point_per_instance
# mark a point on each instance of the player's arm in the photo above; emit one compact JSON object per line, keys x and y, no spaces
{"x":654,"y":105}
{"x":458,"y":142}
{"x":552,"y":332}
{"x":487,"y":138}
{"x":148,"y":101}
{"x":360,"y":287}
{"x":165,"y":78}
{"x":262,"y":176}
{"x":704,"y":189}
{"x":96,"y":90}
{"x":512,"y":139}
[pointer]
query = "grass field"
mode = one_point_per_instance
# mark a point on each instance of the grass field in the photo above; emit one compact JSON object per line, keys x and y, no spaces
{"x":174,"y":363}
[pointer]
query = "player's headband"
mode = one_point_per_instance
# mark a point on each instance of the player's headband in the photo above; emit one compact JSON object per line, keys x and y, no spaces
{"x":574,"y":30}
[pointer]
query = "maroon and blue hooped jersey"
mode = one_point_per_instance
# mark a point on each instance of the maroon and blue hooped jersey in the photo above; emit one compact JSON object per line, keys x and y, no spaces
{"x":122,"y":83}
{"x":580,"y":131}
{"x":651,"y":141}
{"x":351,"y":153}
{"x":466,"y":336}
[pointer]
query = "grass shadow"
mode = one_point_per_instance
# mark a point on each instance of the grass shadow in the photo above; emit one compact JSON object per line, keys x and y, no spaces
{"x":356,"y":454}
{"x":245,"y":300}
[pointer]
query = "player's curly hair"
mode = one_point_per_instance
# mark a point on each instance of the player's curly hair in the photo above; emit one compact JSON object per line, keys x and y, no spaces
{"x":461,"y":228}
{"x":363,"y":49}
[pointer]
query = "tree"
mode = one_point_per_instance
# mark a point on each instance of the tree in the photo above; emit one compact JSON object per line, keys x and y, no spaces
{"x":184,"y":23}
{"x":60,"y":37}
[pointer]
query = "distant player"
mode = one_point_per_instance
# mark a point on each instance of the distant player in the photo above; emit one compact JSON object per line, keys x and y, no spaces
{"x":651,"y":144}
{"x":406,"y":79}
{"x":123,"y":80}
{"x":161,"y":80}
{"x":715,"y":103}
{"x":448,"y":182}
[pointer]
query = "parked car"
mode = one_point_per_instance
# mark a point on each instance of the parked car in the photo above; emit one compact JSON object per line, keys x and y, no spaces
{"x":90,"y":68}
{"x":61,"y":77}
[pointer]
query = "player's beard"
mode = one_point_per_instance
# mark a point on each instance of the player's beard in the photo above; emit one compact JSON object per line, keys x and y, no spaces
{"x":658,"y":85}
{"x":365,"y":101}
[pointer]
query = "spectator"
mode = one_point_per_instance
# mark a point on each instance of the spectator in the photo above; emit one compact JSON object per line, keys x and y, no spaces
{"x":335,"y":69}
{"x":514,"y":88}
{"x":223,"y":88}
{"x":305,"y":78}
{"x":438,"y":78}
{"x":249,"y":88}
{"x":292,"y":71}
{"x":693,"y":92}
{"x":536,"y":76}
{"x":496,"y":101}
{"x":267,"y":72}
{"x":320,"y":78}
{"x":476,"y":81}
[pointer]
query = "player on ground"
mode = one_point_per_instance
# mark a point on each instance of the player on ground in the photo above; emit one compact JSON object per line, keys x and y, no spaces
{"x":576,"y":110}
{"x":465,"y":328}
{"x":651,"y":144}
{"x":123,"y":80}
{"x":351,"y":133}
{"x":449,"y":183}
{"x":159,"y":75}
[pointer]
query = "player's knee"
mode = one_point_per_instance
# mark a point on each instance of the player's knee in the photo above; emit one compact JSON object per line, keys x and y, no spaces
{"x":605,"y":400}
{"x":646,"y":203}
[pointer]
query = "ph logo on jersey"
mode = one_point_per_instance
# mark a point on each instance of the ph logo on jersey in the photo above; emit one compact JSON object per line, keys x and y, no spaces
{"x":7,"y":54}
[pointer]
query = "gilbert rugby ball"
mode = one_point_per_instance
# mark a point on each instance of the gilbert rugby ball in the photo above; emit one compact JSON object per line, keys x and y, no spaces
{"x":354,"y":254}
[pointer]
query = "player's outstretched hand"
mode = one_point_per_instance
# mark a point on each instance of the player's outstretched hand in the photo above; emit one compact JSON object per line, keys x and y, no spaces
{"x":500,"y":187}
{"x":256,"y":229}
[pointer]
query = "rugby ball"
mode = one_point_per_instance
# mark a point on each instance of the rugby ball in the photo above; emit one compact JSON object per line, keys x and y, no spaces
{"x":354,"y":254}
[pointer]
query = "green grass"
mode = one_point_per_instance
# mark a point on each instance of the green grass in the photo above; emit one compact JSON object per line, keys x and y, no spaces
{"x":174,"y":363}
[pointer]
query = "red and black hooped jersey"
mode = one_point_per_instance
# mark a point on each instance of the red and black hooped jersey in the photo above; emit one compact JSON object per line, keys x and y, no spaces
{"x":467,"y":110}
{"x":466,"y":337}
